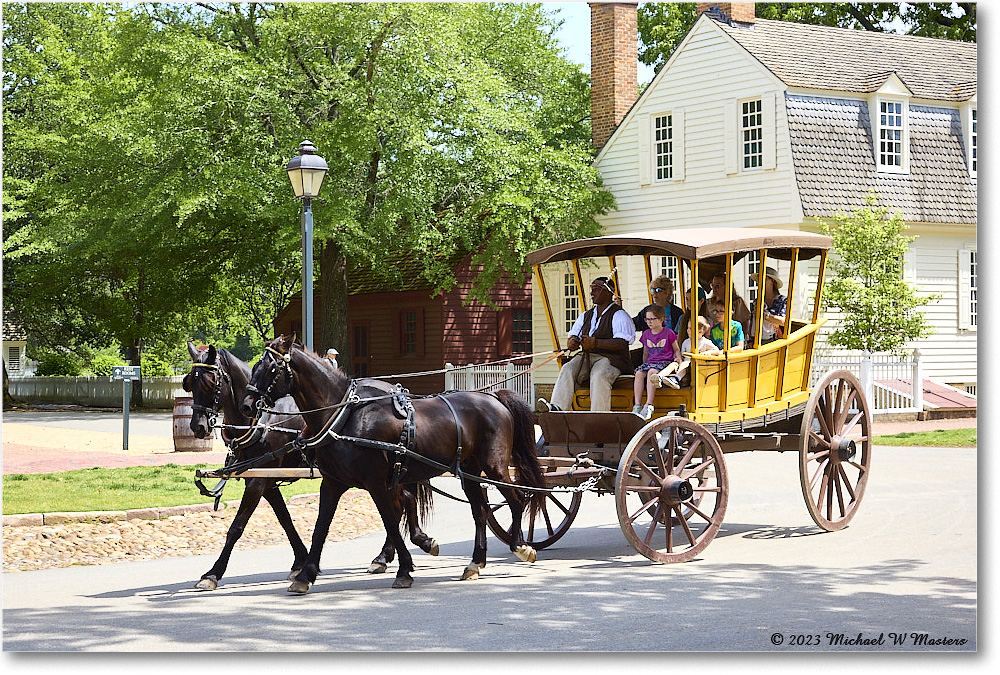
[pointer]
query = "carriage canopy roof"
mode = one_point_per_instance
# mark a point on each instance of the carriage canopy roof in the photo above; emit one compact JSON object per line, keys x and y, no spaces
{"x":688,"y":243}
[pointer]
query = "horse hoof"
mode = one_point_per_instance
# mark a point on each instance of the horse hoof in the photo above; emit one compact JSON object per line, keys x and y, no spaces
{"x":525,"y":553}
{"x":207,"y":584}
{"x":471,"y":572}
{"x":377,"y":568}
{"x":299,"y":587}
{"x":402,"y":582}
{"x":292,"y":575}
{"x":433,"y":549}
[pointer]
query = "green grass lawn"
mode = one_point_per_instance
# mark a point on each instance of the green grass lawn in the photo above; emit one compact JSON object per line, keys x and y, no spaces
{"x":939,"y":438}
{"x":118,"y":489}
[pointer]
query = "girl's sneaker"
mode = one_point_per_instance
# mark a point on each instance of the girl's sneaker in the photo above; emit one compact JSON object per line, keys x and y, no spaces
{"x":657,"y":381}
{"x":637,"y":410}
{"x":647,"y":412}
{"x":671,"y":381}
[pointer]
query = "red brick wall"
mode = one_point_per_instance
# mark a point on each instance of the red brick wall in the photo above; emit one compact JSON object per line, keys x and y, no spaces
{"x":614,"y":55}
{"x":743,"y":12}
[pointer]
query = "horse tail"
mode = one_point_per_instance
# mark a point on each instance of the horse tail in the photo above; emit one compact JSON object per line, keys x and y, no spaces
{"x":523,"y":455}
{"x":424,"y":498}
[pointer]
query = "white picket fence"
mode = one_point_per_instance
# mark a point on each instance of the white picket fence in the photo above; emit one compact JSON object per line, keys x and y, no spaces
{"x":157,"y":392}
{"x":490,"y":378}
{"x":888,"y":379}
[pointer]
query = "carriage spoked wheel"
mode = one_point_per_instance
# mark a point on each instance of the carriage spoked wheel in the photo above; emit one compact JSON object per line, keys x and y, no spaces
{"x":541,"y":529}
{"x":671,"y":490}
{"x":835,"y":450}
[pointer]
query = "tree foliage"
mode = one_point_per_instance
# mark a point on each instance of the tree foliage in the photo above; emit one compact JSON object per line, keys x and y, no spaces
{"x":144,"y":148}
{"x":662,"y":26}
{"x":879,"y":309}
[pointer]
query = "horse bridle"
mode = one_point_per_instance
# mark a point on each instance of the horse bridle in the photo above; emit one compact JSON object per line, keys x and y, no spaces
{"x":278,"y":361}
{"x":212,"y":412}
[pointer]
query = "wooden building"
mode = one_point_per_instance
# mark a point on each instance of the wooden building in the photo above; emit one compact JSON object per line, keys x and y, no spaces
{"x":404,"y":327}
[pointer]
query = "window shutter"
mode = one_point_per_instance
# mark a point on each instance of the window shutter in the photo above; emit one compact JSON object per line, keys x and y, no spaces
{"x":678,"y":144}
{"x":645,"y":163}
{"x":767,"y":113}
{"x":730,"y":137}
{"x":965,"y":289}
{"x":505,"y":331}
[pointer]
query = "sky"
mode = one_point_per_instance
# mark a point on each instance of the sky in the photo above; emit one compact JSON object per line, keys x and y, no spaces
{"x":575,"y":35}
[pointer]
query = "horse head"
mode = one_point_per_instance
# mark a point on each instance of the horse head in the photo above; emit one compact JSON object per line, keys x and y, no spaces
{"x":272,"y":377}
{"x":205,"y":384}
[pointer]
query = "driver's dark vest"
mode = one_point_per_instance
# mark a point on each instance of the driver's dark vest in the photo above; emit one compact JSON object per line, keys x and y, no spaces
{"x":605,"y":331}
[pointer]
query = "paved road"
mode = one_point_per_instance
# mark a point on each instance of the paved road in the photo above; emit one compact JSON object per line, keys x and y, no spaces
{"x":906,"y":565}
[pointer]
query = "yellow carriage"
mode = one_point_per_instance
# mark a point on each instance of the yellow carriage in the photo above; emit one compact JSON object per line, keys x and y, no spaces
{"x":669,"y":474}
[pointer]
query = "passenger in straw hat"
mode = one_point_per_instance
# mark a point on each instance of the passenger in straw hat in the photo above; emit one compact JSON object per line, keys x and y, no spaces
{"x":773,"y":323}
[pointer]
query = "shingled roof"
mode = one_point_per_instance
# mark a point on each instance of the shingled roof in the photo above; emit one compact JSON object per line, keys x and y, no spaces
{"x":835,"y":168}
{"x":841,"y":59}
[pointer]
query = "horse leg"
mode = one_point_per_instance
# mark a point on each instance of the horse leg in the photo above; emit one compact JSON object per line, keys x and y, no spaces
{"x":381,"y":562}
{"x":277,"y":502}
{"x":479,"y":506}
{"x":248,"y":504}
{"x":411,"y":516}
{"x":390,"y":520}
{"x":329,"y":497}
{"x":517,"y":545}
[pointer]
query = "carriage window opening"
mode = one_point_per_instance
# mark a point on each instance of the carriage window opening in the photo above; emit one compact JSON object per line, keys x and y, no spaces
{"x":571,"y":303}
{"x":521,"y":333}
{"x":409,"y":325}
{"x":663,"y":130}
{"x":890,"y":129}
{"x":752,"y":134}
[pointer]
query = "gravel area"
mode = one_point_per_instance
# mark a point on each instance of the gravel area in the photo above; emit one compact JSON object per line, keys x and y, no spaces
{"x":204,"y":532}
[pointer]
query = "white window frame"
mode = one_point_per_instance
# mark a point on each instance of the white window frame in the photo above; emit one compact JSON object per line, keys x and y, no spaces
{"x":967,"y":288}
{"x":733,"y":142}
{"x":973,"y":142}
{"x":14,"y":358}
{"x":571,"y":300}
{"x":663,"y":147}
{"x":751,"y":147}
{"x":648,"y":147}
{"x":875,"y":104}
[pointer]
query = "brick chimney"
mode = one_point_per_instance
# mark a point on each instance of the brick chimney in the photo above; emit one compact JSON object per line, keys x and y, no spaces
{"x":614,"y":58}
{"x":732,"y":12}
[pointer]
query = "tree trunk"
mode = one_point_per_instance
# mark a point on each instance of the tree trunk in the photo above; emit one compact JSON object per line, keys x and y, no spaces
{"x":333,"y":299}
{"x":8,"y":402}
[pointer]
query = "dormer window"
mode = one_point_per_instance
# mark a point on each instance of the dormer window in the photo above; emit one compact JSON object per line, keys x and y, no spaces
{"x":973,"y":147}
{"x":890,"y":135}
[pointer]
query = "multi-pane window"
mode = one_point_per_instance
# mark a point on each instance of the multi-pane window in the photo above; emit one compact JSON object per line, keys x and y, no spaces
{"x":972,"y":288}
{"x":890,"y":149}
{"x":409,"y":328}
{"x":752,"y":134}
{"x":521,"y":333}
{"x":753,"y":267}
{"x":571,"y":303}
{"x":974,"y":150}
{"x":668,"y":266}
{"x":663,"y":130}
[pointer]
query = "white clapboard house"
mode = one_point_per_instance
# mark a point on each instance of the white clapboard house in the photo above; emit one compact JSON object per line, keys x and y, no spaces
{"x":757,"y":123}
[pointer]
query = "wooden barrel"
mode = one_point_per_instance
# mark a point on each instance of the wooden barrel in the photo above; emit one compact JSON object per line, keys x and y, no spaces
{"x":184,"y":438}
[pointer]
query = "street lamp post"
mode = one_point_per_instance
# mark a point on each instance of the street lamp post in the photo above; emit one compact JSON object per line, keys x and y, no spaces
{"x":306,"y":172}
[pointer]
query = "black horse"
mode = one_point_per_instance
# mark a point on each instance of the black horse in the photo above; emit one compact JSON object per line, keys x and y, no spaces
{"x":353,"y":432}
{"x":217,"y":382}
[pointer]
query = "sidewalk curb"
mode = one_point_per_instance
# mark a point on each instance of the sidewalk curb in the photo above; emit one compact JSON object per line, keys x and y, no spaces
{"x":155,"y":513}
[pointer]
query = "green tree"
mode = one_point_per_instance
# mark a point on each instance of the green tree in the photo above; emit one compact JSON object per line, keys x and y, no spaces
{"x":879,"y":309}
{"x":147,"y":145}
{"x":662,"y":26}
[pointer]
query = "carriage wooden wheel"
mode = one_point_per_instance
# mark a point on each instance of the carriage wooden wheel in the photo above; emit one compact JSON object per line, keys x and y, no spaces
{"x":541,"y":529}
{"x":836,"y":450}
{"x":671,"y":490}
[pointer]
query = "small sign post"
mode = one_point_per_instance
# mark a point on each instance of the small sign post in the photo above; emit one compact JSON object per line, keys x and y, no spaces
{"x":126,"y":374}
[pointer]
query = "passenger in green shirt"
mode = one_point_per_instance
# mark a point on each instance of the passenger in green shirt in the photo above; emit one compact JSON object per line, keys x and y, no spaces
{"x":718,"y":312}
